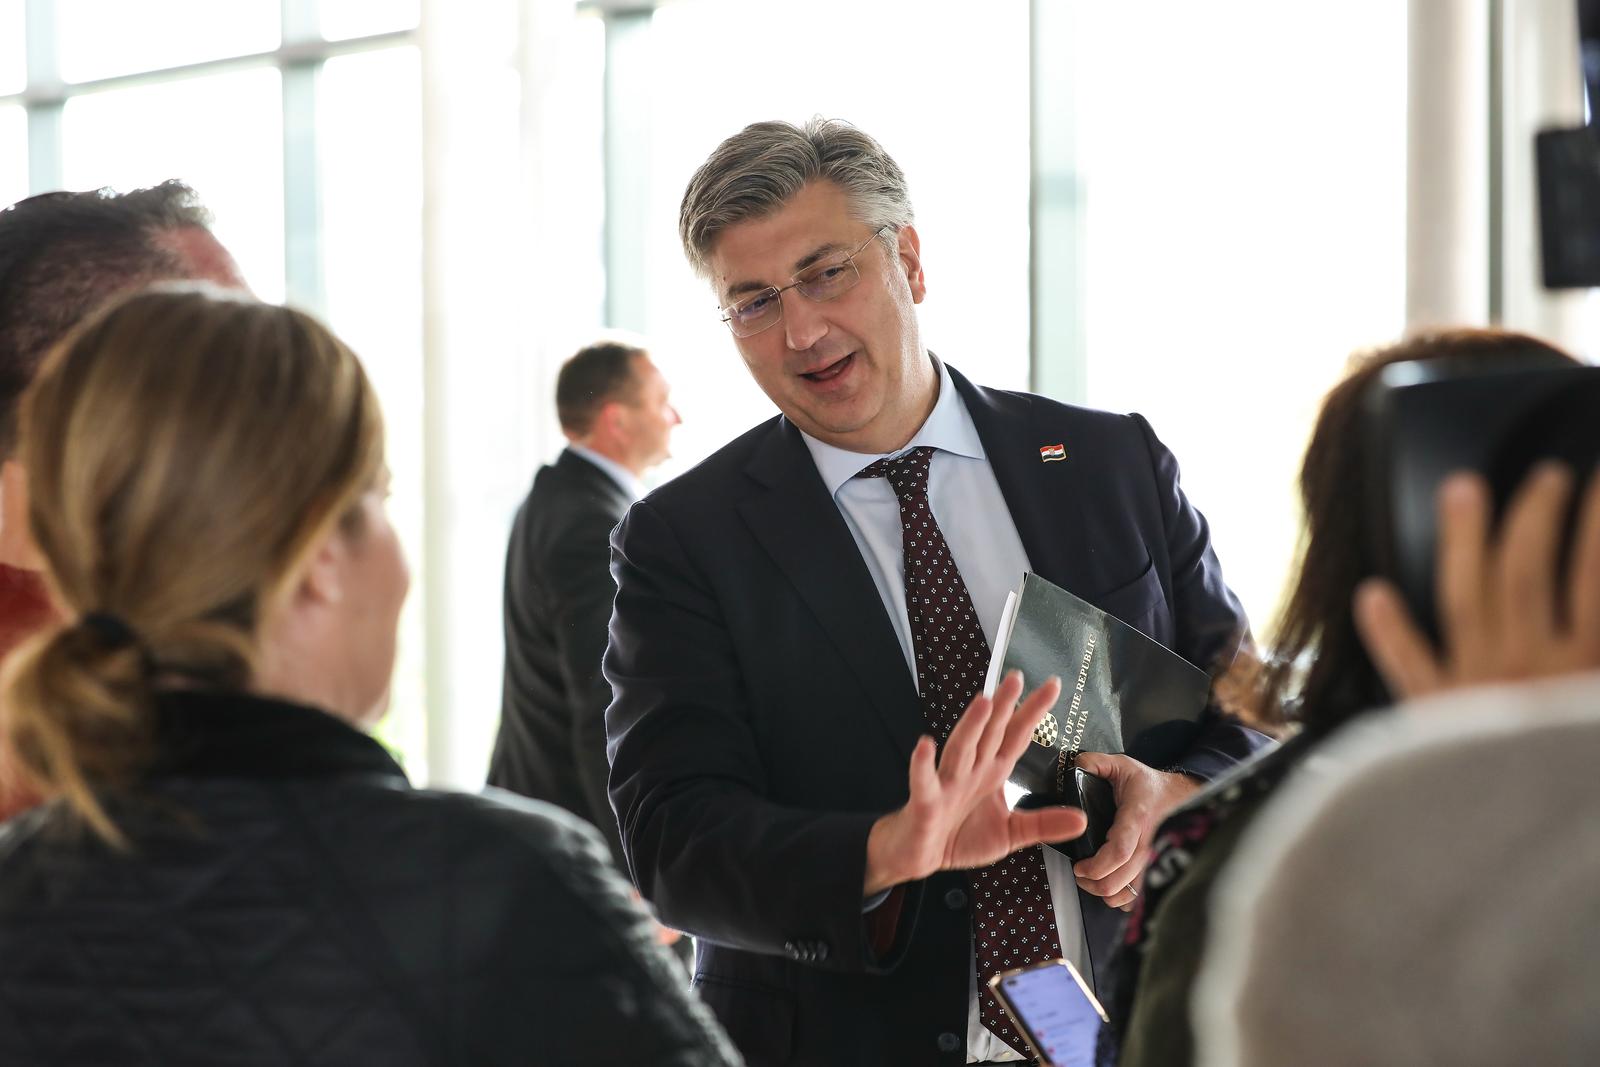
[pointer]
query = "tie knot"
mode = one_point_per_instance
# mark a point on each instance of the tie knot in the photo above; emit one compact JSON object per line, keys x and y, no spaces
{"x":907,"y":474}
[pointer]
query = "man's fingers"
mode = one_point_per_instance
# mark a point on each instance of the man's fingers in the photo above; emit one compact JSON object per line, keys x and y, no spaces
{"x":960,"y":748}
{"x":1583,"y":606}
{"x":924,"y":775}
{"x":1122,"y":840}
{"x":1525,"y":566}
{"x":1019,"y":731}
{"x":1119,"y":888}
{"x":1009,"y":689}
{"x":1462,"y":574}
{"x":994,"y":732}
{"x":971,"y":730}
{"x":1099,"y":764}
{"x":1046,"y":825}
{"x":1400,"y":652}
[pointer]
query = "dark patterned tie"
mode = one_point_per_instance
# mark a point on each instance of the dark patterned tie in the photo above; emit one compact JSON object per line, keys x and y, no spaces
{"x":1013,"y":920}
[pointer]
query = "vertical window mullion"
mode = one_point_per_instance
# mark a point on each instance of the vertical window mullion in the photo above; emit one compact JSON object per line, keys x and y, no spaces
{"x":302,"y":201}
{"x":1058,"y":346}
{"x":627,"y":166}
{"x":46,"y":98}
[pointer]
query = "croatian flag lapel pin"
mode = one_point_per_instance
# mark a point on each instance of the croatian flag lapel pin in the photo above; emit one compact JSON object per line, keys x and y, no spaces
{"x":1050,"y":453}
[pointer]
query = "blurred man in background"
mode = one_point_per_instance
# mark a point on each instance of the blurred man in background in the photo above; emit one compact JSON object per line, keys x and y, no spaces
{"x":614,"y":410}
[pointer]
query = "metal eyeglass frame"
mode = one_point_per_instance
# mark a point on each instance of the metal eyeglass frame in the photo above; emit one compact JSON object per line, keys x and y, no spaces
{"x":799,"y":282}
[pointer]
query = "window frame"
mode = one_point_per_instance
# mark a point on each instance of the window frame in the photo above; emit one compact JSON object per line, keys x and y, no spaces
{"x":299,"y":59}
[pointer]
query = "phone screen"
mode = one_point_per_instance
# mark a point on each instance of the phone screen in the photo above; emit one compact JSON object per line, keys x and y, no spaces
{"x":1057,"y":1010}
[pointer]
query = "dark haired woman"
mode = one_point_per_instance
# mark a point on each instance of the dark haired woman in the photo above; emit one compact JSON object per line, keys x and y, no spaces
{"x":1318,"y":678}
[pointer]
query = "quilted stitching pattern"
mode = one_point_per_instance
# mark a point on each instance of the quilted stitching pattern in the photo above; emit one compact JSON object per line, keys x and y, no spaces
{"x":324,"y":923}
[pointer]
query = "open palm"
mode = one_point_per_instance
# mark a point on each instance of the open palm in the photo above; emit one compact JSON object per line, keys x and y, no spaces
{"x":1504,"y":612}
{"x":956,"y":817}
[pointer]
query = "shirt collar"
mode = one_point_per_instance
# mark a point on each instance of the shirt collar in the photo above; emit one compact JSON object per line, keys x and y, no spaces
{"x":949,"y":428}
{"x":619,"y":474}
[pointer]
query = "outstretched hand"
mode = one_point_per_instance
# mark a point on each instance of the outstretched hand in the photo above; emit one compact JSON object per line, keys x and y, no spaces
{"x":1502,"y":614}
{"x":956,"y":817}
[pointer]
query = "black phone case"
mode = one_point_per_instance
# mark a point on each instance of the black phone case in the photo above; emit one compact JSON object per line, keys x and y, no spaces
{"x":1094,"y":796}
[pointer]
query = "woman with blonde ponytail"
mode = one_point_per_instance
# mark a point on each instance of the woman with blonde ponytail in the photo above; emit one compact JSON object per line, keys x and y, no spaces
{"x":227,"y":868}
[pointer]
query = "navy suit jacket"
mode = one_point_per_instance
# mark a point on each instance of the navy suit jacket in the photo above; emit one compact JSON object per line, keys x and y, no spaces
{"x":763,"y":717}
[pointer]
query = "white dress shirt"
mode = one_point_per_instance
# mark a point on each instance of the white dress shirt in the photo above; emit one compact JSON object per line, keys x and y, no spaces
{"x":972,"y":513}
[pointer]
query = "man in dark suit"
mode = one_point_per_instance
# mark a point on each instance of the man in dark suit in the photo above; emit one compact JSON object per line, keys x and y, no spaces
{"x":798,"y":613}
{"x":614,"y":409}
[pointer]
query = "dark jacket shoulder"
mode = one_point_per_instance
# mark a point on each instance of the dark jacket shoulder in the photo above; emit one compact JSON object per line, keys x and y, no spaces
{"x":709,"y":484}
{"x":279,"y":856}
{"x":571,"y":492}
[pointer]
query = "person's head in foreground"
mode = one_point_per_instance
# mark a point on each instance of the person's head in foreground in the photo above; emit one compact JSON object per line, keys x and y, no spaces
{"x":1424,"y":892}
{"x":211,"y":519}
{"x":258,"y":881}
{"x":62,"y":255}
{"x":1319,"y":675}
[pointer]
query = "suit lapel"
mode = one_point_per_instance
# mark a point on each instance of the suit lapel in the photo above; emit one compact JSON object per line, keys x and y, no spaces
{"x":1039,"y":495}
{"x":799,"y":525}
{"x":1042,"y":500}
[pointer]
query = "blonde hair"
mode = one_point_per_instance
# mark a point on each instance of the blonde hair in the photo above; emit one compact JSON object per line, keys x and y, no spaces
{"x":186,"y":449}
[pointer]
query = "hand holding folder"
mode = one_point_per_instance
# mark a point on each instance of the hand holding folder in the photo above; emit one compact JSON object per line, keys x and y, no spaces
{"x":1122,"y":692}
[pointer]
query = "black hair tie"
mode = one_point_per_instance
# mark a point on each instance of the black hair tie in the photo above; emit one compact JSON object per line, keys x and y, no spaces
{"x":110,"y":629}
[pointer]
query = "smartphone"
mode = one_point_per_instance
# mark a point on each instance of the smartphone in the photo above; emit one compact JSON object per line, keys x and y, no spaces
{"x":1052,"y":1005}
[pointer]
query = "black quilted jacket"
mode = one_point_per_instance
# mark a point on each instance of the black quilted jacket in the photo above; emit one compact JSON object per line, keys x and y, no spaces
{"x":290,"y":900}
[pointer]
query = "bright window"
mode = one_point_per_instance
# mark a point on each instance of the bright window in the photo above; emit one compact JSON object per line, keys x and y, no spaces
{"x":105,"y":38}
{"x":1242,"y":222}
{"x":13,"y":49}
{"x":223,"y":135}
{"x":1245,"y":232}
{"x":13,"y":155}
{"x":370,"y":183}
{"x":343,"y":19}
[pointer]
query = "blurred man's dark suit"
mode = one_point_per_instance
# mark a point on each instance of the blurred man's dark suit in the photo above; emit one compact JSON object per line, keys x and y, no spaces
{"x":552,"y":740}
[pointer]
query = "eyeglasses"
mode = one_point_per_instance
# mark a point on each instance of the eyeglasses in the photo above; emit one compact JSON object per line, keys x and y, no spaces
{"x":821,"y":281}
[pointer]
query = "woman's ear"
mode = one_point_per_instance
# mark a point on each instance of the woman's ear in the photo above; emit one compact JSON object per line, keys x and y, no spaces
{"x":322,"y":580}
{"x":16,"y":543}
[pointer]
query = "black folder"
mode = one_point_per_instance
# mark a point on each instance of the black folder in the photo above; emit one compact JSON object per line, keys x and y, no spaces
{"x":1121,"y":692}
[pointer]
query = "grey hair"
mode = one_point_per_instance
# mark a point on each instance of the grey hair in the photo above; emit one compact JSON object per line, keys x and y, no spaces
{"x":760,"y":169}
